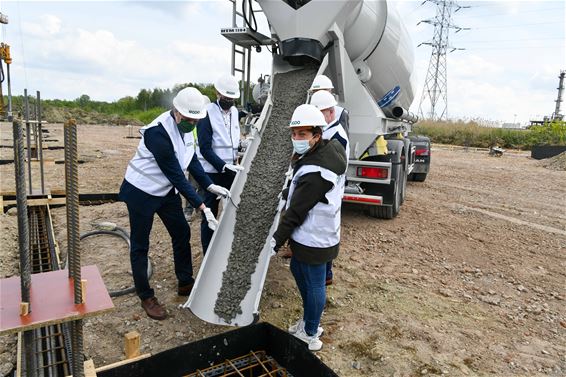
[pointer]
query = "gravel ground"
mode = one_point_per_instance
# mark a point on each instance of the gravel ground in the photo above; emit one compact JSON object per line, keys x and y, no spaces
{"x":468,"y":280}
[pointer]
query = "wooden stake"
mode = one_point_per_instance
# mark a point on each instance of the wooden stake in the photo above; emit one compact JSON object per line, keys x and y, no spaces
{"x":132,"y":344}
{"x":89,"y":368}
{"x":24,"y":308}
{"x":83,"y":291}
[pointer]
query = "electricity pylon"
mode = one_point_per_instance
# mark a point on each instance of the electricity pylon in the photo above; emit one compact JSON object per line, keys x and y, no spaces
{"x":435,"y":90}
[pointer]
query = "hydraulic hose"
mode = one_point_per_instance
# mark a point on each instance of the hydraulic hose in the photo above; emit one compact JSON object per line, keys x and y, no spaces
{"x":123,"y":234}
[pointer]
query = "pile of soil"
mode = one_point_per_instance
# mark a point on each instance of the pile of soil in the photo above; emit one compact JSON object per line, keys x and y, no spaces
{"x":555,"y":163}
{"x":61,"y":114}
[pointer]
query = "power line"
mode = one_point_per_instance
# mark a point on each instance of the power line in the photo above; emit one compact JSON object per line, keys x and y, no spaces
{"x":516,"y":25}
{"x":517,"y":40}
{"x":508,"y":14}
{"x":512,"y":47}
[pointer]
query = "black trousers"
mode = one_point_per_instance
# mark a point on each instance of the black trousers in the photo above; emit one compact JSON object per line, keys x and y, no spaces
{"x":141,"y":209}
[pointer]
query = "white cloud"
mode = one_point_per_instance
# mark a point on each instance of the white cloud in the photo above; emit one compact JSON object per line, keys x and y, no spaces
{"x":48,"y":26}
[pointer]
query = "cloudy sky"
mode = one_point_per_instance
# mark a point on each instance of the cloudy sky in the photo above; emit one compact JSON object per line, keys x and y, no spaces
{"x":110,"y":49}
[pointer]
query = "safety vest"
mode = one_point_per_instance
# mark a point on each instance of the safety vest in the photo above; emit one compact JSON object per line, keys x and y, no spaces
{"x":143,"y":171}
{"x":225,"y":136}
{"x":328,"y":134}
{"x":321,"y":227}
{"x":337,"y":128}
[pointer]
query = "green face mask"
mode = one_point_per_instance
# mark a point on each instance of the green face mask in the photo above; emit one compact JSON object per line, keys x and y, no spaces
{"x":185,"y":126}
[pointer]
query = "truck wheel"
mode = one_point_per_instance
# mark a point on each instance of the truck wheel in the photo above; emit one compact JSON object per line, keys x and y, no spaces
{"x":403,"y":177}
{"x":419,"y":177}
{"x":389,"y":212}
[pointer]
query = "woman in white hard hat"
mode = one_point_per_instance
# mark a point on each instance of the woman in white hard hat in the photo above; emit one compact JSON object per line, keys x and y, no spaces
{"x":311,"y":221}
{"x":326,"y":103}
{"x":154,"y":179}
{"x":219,"y":139}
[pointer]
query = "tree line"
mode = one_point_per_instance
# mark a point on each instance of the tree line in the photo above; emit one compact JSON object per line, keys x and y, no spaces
{"x":145,"y":100}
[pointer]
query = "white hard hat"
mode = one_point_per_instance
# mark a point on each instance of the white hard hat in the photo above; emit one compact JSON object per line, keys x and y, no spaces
{"x":227,"y":85}
{"x":307,"y":115}
{"x":206,"y":99}
{"x":323,"y":100}
{"x":190,"y":103}
{"x":321,"y":82}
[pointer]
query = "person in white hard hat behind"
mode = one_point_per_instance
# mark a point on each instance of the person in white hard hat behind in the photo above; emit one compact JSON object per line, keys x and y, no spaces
{"x":326,"y":103}
{"x":219,"y":139}
{"x":188,"y":209}
{"x":311,"y":221}
{"x":154,"y":179}
{"x":322,"y":82}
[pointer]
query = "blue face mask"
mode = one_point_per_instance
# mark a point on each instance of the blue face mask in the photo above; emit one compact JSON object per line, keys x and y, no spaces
{"x":301,"y":146}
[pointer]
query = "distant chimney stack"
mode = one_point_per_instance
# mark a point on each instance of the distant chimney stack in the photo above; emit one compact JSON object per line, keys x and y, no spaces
{"x":557,"y":114}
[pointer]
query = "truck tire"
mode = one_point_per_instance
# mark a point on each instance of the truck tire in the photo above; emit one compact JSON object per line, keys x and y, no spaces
{"x":389,"y":212}
{"x":403,"y":177}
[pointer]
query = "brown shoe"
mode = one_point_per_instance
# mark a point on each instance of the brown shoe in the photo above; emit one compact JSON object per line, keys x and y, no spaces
{"x":185,"y":290}
{"x":154,"y":309}
{"x":329,"y":281}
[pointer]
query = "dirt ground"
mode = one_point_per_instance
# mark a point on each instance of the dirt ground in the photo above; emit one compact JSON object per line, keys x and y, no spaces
{"x":468,"y":280}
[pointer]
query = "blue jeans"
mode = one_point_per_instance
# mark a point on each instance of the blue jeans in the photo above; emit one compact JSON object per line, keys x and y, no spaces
{"x":329,"y":273}
{"x":310,"y":279}
{"x":141,"y":209}
{"x":222,"y":179}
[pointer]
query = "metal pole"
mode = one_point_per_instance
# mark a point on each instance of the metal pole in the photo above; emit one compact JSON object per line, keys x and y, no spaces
{"x":73,"y":240}
{"x":247,"y":84}
{"x":23,"y":238}
{"x":77,"y":345}
{"x":21,"y":200}
{"x":28,"y":137}
{"x":10,"y":117}
{"x":40,"y":146}
{"x":72,"y":195}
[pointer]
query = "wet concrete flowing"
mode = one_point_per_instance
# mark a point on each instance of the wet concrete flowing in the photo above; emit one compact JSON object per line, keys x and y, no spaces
{"x":265,"y":180}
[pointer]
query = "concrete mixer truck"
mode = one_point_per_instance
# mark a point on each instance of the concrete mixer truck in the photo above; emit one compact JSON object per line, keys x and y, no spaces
{"x":366,"y":52}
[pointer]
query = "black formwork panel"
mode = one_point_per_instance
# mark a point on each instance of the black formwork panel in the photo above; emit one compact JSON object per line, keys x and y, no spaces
{"x":539,"y":152}
{"x":289,"y":352}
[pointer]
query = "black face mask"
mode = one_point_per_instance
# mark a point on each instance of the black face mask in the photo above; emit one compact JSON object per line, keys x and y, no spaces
{"x":225,"y":103}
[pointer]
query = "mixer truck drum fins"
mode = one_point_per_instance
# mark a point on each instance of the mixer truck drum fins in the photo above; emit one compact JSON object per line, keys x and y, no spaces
{"x":300,"y":51}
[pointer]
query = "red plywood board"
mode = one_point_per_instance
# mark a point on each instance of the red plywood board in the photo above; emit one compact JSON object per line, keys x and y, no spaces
{"x":52,"y":300}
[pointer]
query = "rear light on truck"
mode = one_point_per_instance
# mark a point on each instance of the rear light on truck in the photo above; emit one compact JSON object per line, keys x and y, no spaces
{"x":422,"y":152}
{"x":373,"y":172}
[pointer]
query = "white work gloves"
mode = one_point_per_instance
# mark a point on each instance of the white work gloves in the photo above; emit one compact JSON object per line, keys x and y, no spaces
{"x":218,"y":190}
{"x":212,"y":222}
{"x":273,"y":245}
{"x":233,"y":168}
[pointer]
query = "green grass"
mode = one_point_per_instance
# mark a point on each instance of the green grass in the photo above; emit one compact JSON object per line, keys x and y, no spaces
{"x":473,"y":135}
{"x":146,"y":116}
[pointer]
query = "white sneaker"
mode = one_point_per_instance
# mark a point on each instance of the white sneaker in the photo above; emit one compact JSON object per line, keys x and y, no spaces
{"x":300,"y":324}
{"x":296,"y":326}
{"x":314,"y":343}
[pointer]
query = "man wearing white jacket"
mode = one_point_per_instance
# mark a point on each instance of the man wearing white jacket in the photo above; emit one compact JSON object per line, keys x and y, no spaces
{"x":219,"y":140}
{"x":154,"y":179}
